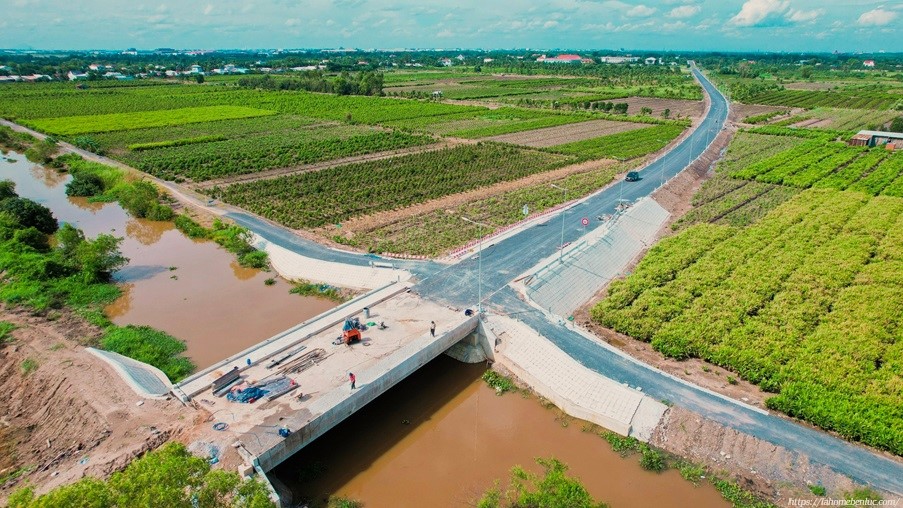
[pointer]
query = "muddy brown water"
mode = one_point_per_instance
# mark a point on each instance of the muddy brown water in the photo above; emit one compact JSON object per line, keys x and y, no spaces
{"x":439,"y":438}
{"x":208,"y":300}
{"x":442,"y":437}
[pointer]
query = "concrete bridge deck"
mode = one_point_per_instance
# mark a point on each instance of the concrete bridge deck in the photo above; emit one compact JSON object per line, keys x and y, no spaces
{"x":324,"y":397}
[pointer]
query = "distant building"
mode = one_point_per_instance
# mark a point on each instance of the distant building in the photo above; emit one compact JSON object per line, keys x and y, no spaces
{"x":437,"y":94}
{"x":72,"y":75}
{"x":459,"y":58}
{"x":100,"y":68}
{"x":651,"y":60}
{"x":196,"y":69}
{"x":116,"y":75}
{"x":227,"y":69}
{"x":568,"y":58}
{"x":891,"y":140}
{"x":868,"y":63}
{"x":445,"y":62}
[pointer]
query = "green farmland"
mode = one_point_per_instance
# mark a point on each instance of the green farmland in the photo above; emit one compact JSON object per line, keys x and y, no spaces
{"x":787,"y":271}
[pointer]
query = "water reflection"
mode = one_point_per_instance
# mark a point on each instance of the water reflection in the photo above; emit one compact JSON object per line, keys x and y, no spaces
{"x":242,"y":272}
{"x":49,"y":176}
{"x":86,"y":204}
{"x":147,"y":232}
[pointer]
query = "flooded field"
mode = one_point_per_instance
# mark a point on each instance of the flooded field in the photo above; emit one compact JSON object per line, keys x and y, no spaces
{"x":442,"y":437}
{"x":192,"y":289}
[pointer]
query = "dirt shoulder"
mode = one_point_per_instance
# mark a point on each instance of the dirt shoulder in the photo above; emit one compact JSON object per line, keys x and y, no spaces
{"x":759,"y":466}
{"x":67,"y":414}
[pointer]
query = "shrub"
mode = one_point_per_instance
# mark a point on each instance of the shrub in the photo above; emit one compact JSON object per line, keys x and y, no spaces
{"x":498,"y":382}
{"x":6,"y":329}
{"x":150,"y":346}
{"x":818,"y":490}
{"x":651,"y":459}
{"x":168,"y":476}
{"x":191,"y":228}
{"x":32,"y":238}
{"x":28,"y":366}
{"x":554,"y":488}
{"x":84,"y":184}
{"x":622,"y":444}
{"x":30,"y":214}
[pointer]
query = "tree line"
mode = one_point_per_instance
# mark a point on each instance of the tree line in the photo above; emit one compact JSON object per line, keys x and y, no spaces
{"x":362,"y":83}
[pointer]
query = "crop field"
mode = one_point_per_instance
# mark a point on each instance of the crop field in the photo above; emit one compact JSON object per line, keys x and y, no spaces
{"x":330,"y":196}
{"x":845,"y":119}
{"x":217,"y":159}
{"x":724,"y":200}
{"x":119,"y":142}
{"x":834,"y":99}
{"x":624,"y":145}
{"x":623,"y":82}
{"x":436,"y":232}
{"x":72,"y":125}
{"x":829,"y":164}
{"x":805,"y":303}
{"x":551,"y":136}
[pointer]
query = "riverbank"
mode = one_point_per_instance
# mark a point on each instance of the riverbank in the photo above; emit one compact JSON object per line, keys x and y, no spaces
{"x":67,"y":414}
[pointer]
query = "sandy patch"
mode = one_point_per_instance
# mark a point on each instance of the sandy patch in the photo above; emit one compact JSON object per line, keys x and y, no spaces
{"x":684,"y":108}
{"x":551,"y":136}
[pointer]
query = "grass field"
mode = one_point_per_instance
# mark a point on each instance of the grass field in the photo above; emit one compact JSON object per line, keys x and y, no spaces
{"x":330,"y":196}
{"x":72,"y":125}
{"x":623,"y":145}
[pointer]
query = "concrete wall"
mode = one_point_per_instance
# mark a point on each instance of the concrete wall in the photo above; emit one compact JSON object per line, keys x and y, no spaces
{"x":329,"y":411}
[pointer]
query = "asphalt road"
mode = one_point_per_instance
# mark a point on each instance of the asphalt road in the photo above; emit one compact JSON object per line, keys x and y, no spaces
{"x":459,"y":286}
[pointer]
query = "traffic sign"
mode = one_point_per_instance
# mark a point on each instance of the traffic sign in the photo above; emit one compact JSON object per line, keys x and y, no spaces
{"x":584,"y":221}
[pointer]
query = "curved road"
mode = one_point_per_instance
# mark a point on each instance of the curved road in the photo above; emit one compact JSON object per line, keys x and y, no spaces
{"x":457,"y":285}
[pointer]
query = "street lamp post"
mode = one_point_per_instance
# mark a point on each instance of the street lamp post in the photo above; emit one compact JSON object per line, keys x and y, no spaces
{"x":561,"y":247}
{"x":480,"y":265}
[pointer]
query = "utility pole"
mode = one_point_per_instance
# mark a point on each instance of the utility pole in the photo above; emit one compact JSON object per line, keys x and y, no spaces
{"x":561,"y":247}
{"x":480,"y":269}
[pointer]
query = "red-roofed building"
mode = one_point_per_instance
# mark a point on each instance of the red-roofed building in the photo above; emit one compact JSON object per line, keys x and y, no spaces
{"x":560,"y":59}
{"x":868,"y":63}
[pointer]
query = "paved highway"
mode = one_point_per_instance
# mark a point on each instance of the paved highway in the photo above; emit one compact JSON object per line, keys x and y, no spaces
{"x":504,"y":260}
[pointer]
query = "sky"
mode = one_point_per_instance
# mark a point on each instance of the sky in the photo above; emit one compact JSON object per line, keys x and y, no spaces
{"x":680,"y":25}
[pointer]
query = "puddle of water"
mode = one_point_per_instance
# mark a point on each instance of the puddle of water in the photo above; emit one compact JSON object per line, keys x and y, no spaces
{"x":212,"y":303}
{"x":460,"y":438}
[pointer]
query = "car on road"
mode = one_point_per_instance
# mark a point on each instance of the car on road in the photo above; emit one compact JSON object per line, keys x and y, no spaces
{"x":632,"y":176}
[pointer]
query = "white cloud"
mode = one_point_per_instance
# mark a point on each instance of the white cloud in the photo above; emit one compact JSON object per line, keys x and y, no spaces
{"x":877,"y":17}
{"x":208,"y":9}
{"x":292,"y":22}
{"x":641,"y":11}
{"x":550,"y":24}
{"x":684,"y":11}
{"x":804,"y":16}
{"x":757,"y":12}
{"x":677,"y":25}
